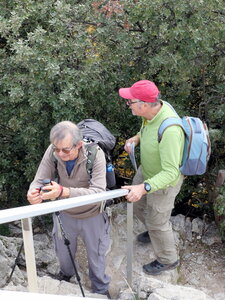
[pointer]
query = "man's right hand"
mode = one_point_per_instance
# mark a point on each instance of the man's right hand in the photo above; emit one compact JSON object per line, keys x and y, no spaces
{"x":135,"y":139}
{"x":33,"y":196}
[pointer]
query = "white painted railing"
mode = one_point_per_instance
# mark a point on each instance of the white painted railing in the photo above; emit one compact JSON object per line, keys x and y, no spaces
{"x":18,"y":213}
{"x":25,"y":213}
{"x":4,"y":295}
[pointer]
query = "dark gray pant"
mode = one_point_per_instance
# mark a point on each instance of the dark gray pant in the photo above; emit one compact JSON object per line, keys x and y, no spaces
{"x":94,"y":232}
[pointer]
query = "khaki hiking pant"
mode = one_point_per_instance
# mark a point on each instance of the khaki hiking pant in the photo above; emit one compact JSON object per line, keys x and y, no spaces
{"x":154,"y":210}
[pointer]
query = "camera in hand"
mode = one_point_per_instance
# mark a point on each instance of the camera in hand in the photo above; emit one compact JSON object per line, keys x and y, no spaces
{"x":45,"y":182}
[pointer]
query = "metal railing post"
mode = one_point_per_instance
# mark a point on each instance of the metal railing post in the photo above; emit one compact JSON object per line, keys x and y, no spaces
{"x":29,"y":255}
{"x":129,"y":242}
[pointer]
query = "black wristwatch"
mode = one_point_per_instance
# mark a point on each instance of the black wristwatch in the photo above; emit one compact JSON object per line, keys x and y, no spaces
{"x":147,"y":187}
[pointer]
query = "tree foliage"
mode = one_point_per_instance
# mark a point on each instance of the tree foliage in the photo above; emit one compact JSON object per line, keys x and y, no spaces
{"x":67,"y":59}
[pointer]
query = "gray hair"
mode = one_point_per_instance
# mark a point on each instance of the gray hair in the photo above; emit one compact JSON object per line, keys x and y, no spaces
{"x":62,"y":129}
{"x":153,"y":104}
{"x":157,"y":101}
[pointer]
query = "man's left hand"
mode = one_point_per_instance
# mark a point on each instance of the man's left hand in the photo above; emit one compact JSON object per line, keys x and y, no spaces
{"x":53,"y":191}
{"x":136,"y":192}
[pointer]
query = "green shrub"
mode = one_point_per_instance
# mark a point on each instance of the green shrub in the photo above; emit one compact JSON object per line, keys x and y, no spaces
{"x":67,"y":59}
{"x":219,"y":207}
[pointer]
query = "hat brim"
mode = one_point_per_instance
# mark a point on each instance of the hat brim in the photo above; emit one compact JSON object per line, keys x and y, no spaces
{"x":125,"y":93}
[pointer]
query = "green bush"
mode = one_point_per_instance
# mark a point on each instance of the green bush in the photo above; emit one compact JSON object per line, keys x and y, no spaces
{"x":67,"y":59}
{"x":219,"y":207}
{"x":4,"y":230}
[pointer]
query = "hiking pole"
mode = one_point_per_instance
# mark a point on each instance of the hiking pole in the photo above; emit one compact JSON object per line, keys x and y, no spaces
{"x":66,"y":240}
{"x":15,"y":264}
{"x":67,"y":243}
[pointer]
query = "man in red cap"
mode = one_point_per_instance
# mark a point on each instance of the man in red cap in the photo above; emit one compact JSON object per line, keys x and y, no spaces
{"x":158,"y":179}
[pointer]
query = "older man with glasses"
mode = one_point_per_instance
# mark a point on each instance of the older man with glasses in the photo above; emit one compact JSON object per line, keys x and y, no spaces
{"x":66,"y":156}
{"x":158,"y":179}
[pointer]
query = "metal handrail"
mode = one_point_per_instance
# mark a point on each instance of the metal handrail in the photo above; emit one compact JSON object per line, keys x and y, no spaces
{"x":28,"y":211}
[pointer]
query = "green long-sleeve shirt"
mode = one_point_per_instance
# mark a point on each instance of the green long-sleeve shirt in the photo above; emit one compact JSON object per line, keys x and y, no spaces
{"x":160,"y":161}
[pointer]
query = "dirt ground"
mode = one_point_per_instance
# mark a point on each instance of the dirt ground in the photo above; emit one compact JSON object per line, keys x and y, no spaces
{"x":203,"y":267}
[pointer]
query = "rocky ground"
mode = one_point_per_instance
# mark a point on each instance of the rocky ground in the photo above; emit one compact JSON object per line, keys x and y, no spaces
{"x":201,"y":251}
{"x":202,"y":265}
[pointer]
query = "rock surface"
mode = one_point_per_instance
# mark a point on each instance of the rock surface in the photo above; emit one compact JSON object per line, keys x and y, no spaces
{"x":201,"y":274}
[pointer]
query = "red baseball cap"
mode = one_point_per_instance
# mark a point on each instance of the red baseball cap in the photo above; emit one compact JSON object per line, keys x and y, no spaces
{"x":144,"y":90}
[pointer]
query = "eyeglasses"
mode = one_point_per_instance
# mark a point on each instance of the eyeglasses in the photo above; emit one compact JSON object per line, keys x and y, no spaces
{"x":64,"y":150}
{"x":129,"y":102}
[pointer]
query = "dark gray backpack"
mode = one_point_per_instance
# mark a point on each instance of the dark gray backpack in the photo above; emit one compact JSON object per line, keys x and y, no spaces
{"x":94,"y":133}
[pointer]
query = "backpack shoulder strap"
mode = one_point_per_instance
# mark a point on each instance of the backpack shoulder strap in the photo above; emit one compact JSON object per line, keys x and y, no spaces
{"x":92,"y":149}
{"x":167,"y":103}
{"x":56,"y":173}
{"x":167,"y":123}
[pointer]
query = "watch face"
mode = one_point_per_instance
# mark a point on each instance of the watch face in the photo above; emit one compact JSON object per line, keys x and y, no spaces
{"x":147,"y":187}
